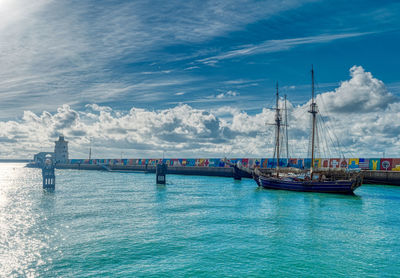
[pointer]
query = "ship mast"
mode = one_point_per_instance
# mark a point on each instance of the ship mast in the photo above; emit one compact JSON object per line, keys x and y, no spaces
{"x":90,"y":148}
{"x":278,"y":127}
{"x":286,"y":134}
{"x":313,"y":111}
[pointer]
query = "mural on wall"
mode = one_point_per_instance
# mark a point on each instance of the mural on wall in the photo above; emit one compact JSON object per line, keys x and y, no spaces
{"x":374,"y":164}
{"x":334,"y":162}
{"x":363,"y":163}
{"x":396,"y":164}
{"x":233,"y":161}
{"x":264,"y":163}
{"x":307,"y":162}
{"x":344,"y":162}
{"x":202,"y":162}
{"x":251,"y":163}
{"x":353,"y":163}
{"x":271,"y":163}
{"x":300,"y":163}
{"x":254,"y":162}
{"x":292,"y":162}
{"x":283,"y":162}
{"x":214,"y":162}
{"x":386,"y":164}
{"x":324,"y":163}
{"x":317,"y":162}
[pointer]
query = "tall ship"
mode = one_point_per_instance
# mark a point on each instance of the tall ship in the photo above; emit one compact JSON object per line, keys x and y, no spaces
{"x":312,"y":180}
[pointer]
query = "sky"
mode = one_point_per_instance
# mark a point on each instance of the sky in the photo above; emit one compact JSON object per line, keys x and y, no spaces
{"x":197,"y":78}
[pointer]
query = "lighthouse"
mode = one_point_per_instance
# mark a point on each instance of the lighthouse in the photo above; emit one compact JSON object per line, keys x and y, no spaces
{"x":61,"y":151}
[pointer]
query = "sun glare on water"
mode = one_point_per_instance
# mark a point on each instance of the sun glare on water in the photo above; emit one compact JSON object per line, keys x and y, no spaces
{"x":19,"y":219}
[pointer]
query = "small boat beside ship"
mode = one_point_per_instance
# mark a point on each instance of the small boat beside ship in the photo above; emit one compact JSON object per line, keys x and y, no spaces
{"x":312,"y":180}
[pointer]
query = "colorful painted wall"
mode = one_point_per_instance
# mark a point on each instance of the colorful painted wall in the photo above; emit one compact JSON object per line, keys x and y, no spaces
{"x":385,"y":164}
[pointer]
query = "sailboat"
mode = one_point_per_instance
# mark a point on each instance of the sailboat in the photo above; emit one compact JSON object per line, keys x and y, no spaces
{"x":312,"y":181}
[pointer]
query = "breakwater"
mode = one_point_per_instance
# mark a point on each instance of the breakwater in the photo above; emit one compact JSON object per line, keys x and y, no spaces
{"x":370,"y":176}
{"x":187,"y":170}
{"x":376,"y":170}
{"x":382,"y":177}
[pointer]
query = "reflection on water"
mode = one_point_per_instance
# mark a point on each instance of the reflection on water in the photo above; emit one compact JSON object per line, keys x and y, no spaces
{"x":22,"y":239}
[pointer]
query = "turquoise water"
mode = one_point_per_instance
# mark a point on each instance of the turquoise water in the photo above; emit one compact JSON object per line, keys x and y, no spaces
{"x":123,"y":225}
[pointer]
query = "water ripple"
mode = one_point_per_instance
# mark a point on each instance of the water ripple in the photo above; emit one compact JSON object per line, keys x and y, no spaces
{"x":112,"y":224}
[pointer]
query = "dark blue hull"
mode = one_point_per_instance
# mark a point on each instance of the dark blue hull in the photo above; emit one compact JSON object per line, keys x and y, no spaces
{"x":340,"y":187}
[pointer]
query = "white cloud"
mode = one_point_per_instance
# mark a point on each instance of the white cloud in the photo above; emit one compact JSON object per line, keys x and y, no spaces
{"x":184,"y":131}
{"x":98,"y":108}
{"x":227,"y":94}
{"x":362,"y":93}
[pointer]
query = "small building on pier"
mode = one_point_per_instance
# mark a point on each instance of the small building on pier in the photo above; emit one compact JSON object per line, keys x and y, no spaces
{"x":39,"y":159}
{"x":61,"y":151}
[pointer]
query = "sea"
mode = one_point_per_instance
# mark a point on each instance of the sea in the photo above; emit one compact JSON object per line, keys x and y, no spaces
{"x":106,"y":224}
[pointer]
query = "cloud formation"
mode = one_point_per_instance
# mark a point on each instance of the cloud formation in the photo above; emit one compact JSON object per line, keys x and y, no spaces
{"x":361,"y":115}
{"x":56,"y":52}
{"x":362,"y":93}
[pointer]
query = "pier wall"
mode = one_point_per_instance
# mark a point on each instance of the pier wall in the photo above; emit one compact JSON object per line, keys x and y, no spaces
{"x":385,"y":164}
{"x":382,"y":177}
{"x":370,"y":176}
{"x":188,"y":170}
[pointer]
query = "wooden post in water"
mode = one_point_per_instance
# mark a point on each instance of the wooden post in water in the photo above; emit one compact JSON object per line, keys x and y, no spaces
{"x":49,"y":177}
{"x":161,"y":171}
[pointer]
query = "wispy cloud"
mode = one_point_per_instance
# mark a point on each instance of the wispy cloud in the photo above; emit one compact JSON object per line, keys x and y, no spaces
{"x":61,"y":52}
{"x":271,"y":46}
{"x":191,"y":68}
{"x":240,"y":81}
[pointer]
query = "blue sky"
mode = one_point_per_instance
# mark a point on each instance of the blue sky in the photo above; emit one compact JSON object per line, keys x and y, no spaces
{"x":214,"y":56}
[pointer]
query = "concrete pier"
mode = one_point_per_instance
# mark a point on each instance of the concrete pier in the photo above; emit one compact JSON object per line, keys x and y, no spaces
{"x":186,"y":170}
{"x":381,"y":177}
{"x":370,"y":176}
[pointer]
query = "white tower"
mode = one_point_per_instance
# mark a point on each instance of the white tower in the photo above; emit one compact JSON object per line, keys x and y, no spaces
{"x":61,"y":151}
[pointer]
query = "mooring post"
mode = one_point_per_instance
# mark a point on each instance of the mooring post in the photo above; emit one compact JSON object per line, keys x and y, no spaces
{"x":49,"y":177}
{"x":161,"y":171}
